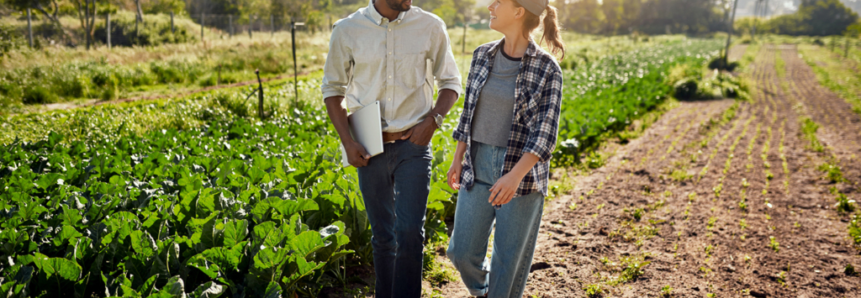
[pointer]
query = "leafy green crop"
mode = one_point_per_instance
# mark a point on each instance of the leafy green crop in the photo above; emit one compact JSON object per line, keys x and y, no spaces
{"x":607,"y":95}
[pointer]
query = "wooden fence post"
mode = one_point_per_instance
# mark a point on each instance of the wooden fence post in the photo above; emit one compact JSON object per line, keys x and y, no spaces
{"x":108,"y":29}
{"x":271,"y":26}
{"x":230,"y":24}
{"x":201,"y":26}
{"x":172,"y":28}
{"x":29,"y":27}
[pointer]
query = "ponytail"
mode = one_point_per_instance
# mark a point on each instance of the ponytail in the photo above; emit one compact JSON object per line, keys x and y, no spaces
{"x":551,"y":29}
{"x":551,"y":32}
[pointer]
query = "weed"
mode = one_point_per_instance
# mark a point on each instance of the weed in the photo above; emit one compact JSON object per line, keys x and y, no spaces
{"x":844,"y":205}
{"x":832,"y":171}
{"x":773,"y":244}
{"x":666,"y":291}
{"x":711,"y":223}
{"x":849,"y":269}
{"x":593,"y":290}
{"x":855,"y":229}
{"x":808,"y":129}
{"x":781,"y":278}
{"x":742,"y":223}
{"x":637,"y":214}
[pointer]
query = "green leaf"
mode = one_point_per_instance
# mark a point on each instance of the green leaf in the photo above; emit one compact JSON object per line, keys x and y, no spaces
{"x":227,"y":258}
{"x":64,"y":268}
{"x":143,"y":244}
{"x":235,"y":231}
{"x":302,"y":269}
{"x":147,"y":287}
{"x":306,"y":243}
{"x":273,"y":290}
{"x":174,"y":288}
{"x":208,"y":290}
{"x":266,"y":234}
{"x":289,"y":207}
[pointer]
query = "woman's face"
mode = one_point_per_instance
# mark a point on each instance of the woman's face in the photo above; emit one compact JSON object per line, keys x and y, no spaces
{"x":504,"y":15}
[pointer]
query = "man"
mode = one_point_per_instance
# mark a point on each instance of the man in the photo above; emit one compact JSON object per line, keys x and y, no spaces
{"x":387,"y":52}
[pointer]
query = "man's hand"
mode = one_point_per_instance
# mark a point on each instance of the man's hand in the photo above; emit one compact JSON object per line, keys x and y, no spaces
{"x":356,"y":154}
{"x":422,"y":133}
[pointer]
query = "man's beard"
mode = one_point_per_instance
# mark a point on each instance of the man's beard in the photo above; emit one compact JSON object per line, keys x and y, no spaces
{"x":398,"y":5}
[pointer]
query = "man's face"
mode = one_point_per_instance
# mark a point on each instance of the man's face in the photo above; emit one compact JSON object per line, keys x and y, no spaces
{"x":399,"y":5}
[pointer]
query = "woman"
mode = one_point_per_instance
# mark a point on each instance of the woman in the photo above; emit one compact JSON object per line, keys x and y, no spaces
{"x":506,"y":136}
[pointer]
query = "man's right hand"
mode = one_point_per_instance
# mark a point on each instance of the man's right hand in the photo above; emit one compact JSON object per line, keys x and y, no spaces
{"x":357,"y":156}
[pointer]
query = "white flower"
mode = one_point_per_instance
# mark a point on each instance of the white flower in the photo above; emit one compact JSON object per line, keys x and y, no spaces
{"x":60,"y":181}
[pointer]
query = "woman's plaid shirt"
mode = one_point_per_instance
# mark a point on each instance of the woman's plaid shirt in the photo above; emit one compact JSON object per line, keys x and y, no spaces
{"x":537,"y":100}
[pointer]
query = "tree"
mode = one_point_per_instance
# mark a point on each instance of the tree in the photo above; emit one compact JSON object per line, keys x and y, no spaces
{"x":826,"y":17}
{"x":48,"y":8}
{"x":87,"y":16}
{"x":584,"y":16}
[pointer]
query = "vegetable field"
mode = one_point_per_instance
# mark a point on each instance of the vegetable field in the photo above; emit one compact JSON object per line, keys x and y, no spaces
{"x":196,"y":196}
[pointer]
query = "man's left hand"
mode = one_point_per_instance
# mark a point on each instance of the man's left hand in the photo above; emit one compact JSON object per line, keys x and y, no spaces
{"x":422,"y":133}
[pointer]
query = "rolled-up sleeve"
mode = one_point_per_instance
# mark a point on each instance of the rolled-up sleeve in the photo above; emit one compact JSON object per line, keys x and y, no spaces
{"x":338,"y":68}
{"x":444,"y":65}
{"x":542,"y":137}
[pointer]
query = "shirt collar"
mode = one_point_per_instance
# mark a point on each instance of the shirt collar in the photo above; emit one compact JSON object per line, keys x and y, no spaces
{"x":531,"y":49}
{"x":372,"y":13}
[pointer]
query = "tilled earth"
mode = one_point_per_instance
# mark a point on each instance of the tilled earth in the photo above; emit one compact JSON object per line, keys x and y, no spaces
{"x":717,"y":197}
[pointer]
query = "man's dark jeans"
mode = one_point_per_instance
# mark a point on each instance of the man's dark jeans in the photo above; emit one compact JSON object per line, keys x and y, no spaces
{"x":395,"y":187}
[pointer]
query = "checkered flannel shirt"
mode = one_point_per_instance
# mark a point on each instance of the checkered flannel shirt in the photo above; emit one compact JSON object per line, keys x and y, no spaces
{"x":537,"y":100}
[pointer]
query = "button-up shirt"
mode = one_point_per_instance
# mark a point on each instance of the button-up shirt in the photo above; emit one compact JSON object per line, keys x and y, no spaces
{"x":535,"y":124}
{"x":394,"y":62}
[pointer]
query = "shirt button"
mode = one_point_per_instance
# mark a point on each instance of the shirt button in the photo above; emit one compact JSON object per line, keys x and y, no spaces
{"x":390,"y":77}
{"x":390,"y":99}
{"x":390,"y":53}
{"x":390,"y":29}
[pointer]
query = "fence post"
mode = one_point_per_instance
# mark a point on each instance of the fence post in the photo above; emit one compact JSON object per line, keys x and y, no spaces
{"x":30,"y":27}
{"x":172,"y":28}
{"x":846,"y":48}
{"x":271,"y":26}
{"x":201,"y":26}
{"x":259,"y":93}
{"x":108,"y":27}
{"x":250,"y":26}
{"x":295,"y":69}
{"x":230,"y":24}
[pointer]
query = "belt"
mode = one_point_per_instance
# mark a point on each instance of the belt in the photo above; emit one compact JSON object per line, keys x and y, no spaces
{"x":393,"y":136}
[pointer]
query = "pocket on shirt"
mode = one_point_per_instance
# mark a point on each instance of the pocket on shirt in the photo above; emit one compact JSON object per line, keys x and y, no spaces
{"x":411,"y":70}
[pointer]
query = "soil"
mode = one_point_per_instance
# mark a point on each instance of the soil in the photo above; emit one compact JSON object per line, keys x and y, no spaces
{"x":788,"y":241}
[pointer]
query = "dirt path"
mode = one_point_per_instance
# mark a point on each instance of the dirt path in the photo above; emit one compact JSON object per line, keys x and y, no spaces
{"x":733,"y":207}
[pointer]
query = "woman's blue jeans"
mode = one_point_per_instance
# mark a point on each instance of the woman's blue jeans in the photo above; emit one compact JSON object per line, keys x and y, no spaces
{"x":505,"y":273}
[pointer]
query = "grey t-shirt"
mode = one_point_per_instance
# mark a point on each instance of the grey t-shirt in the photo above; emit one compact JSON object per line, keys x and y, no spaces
{"x":494,"y":110}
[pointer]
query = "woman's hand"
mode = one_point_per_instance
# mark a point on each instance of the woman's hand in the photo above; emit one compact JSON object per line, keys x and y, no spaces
{"x":453,"y":176}
{"x":504,"y":189}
